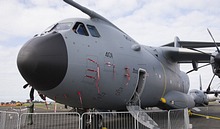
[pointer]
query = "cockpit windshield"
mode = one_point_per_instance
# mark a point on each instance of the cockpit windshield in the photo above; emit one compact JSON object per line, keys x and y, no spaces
{"x":63,"y":26}
{"x":50,"y":28}
{"x":59,"y":26}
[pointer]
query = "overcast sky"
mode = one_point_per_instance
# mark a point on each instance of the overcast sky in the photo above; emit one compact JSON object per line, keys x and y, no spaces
{"x":150,"y":22}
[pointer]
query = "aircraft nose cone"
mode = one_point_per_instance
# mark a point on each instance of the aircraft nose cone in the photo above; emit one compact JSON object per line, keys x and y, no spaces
{"x":42,"y":61}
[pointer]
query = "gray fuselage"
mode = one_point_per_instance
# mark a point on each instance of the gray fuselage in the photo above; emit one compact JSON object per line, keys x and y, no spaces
{"x":103,"y":72}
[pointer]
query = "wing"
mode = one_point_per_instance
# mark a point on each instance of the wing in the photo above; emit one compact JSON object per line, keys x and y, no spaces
{"x":192,"y":44}
{"x":185,"y":52}
{"x":184,"y":55}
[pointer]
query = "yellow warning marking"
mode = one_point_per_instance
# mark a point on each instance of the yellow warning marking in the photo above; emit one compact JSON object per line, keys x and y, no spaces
{"x":163,"y":100}
{"x":205,"y":116}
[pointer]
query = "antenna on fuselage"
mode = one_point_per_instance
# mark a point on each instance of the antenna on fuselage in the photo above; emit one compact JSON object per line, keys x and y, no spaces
{"x":89,"y":12}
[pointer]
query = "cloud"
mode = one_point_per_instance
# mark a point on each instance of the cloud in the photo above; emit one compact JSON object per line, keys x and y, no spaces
{"x":160,"y":21}
{"x":156,"y":18}
{"x":11,"y":81}
{"x":26,"y":18}
{"x":113,"y":8}
{"x":8,"y":59}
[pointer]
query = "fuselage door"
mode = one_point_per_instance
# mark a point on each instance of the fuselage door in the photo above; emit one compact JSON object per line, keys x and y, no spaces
{"x":141,"y":80}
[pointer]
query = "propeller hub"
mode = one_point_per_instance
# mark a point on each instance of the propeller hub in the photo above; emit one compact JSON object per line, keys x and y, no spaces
{"x":217,"y":58}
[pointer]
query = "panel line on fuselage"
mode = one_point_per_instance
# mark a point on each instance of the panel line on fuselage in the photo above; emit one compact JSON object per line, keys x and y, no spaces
{"x":165,"y":80}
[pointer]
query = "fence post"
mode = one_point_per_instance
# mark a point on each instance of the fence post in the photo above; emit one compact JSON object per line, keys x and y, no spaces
{"x":3,"y":119}
{"x":186,"y":118}
{"x":81,"y":121}
{"x":169,"y":123}
{"x":136,"y":121}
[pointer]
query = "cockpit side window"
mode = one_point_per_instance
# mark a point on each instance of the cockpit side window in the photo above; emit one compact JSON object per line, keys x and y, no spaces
{"x":80,"y":28}
{"x":93,"y":31}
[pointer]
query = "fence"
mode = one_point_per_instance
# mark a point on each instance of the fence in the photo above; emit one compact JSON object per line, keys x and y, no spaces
{"x":172,"y":119}
{"x":120,"y":120}
{"x":9,"y":120}
{"x":178,"y":119}
{"x":49,"y":121}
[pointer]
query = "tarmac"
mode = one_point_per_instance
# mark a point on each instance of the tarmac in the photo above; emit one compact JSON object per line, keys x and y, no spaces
{"x":207,"y":118}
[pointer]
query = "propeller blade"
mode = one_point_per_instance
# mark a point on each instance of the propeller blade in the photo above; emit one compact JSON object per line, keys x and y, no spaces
{"x":213,"y":40}
{"x":200,"y":81}
{"x":198,"y":68}
{"x":208,"y":89}
{"x":190,"y":71}
{"x":201,"y":52}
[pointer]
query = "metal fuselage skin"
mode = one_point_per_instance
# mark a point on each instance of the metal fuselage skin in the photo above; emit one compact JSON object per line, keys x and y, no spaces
{"x":102,"y":72}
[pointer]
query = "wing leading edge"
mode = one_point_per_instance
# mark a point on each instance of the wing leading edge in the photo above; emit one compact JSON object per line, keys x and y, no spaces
{"x":184,"y":55}
{"x":192,"y":44}
{"x":185,"y":52}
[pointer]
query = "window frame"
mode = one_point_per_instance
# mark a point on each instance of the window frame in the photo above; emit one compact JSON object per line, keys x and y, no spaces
{"x":93,"y":31}
{"x":79,"y":25}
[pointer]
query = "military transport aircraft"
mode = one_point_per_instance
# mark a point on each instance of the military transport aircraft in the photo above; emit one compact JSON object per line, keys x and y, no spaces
{"x":91,"y":63}
{"x":203,"y":98}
